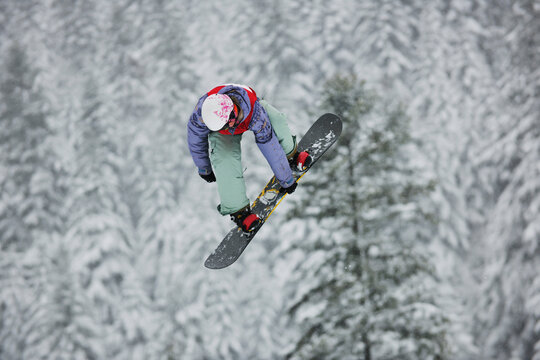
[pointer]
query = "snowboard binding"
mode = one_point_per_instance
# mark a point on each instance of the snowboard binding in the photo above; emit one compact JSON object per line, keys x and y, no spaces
{"x":247,"y":220}
{"x":301,"y":161}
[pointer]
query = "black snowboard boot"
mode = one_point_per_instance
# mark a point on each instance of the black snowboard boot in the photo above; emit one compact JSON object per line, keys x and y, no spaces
{"x":246,"y":219}
{"x":301,"y":161}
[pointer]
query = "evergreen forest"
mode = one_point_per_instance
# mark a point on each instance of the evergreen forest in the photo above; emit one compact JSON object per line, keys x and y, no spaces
{"x":417,"y":236}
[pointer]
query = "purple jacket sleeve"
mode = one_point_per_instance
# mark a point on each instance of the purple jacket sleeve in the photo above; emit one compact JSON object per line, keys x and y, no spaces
{"x":260,"y":125}
{"x":268,"y":143}
{"x":198,"y":140}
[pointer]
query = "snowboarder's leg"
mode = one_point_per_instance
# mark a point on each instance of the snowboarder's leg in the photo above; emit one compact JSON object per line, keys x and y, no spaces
{"x":226,"y":159}
{"x":300,"y":161}
{"x":281,"y":129}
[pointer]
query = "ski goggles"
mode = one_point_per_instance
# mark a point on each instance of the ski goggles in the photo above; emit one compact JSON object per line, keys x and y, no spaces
{"x":233,"y":117}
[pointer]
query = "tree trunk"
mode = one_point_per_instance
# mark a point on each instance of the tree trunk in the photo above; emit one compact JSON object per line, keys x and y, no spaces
{"x":367,"y":346}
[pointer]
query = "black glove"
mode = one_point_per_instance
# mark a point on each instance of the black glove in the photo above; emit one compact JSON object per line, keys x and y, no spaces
{"x":210,"y":178}
{"x":289,"y":190}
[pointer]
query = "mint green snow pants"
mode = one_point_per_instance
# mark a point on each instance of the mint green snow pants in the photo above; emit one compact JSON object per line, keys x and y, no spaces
{"x":226,"y":159}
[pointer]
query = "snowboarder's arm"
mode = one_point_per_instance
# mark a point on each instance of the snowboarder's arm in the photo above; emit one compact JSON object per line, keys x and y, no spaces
{"x":268,"y":143}
{"x":198,"y":141}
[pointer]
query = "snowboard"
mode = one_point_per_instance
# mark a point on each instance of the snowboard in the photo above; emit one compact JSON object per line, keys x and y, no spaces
{"x":317,"y":140}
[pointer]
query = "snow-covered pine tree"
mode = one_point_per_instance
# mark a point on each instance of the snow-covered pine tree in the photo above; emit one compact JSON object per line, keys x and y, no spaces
{"x":508,"y":314}
{"x":159,"y":154}
{"x":20,"y":291}
{"x":30,"y":198}
{"x":451,"y":98}
{"x":99,"y":233}
{"x":65,"y":325}
{"x":277,"y":33}
{"x":363,"y":287}
{"x":78,"y":32}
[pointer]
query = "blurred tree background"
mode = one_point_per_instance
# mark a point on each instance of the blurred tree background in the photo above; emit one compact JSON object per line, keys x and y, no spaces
{"x":417,"y":236}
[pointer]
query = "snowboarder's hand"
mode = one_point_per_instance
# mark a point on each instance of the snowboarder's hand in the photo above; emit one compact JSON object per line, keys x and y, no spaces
{"x":289,"y":190}
{"x":210,"y":178}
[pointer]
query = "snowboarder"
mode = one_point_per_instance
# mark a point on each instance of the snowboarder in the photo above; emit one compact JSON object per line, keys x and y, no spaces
{"x":220,"y":118}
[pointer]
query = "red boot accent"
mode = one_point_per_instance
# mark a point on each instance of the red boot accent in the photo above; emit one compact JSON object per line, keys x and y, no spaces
{"x":302,"y":161}
{"x":251,"y":222}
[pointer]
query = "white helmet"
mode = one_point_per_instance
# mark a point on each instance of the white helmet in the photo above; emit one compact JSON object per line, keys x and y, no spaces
{"x":216,"y":110}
